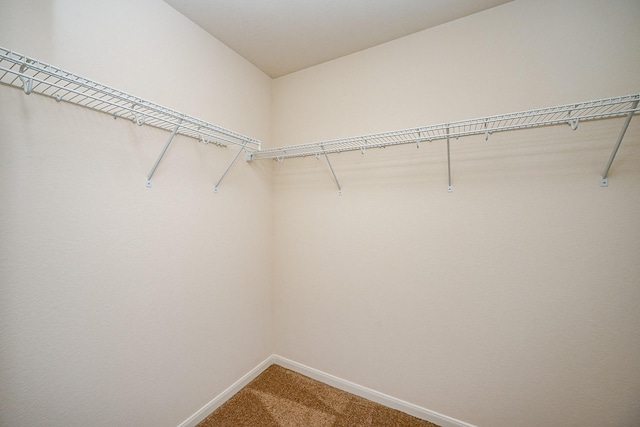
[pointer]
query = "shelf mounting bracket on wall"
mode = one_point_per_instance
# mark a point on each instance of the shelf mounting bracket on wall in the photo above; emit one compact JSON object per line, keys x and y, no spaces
{"x":604,"y":181}
{"x":162,"y":153}
{"x":215,"y":188}
{"x":450,"y":188}
{"x":333,"y":172}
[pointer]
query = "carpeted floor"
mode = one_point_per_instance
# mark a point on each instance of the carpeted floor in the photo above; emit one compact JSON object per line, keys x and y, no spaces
{"x":282,"y":398}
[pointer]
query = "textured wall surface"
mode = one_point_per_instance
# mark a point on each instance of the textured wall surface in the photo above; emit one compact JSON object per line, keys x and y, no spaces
{"x":122,"y":305}
{"x":511,"y":301}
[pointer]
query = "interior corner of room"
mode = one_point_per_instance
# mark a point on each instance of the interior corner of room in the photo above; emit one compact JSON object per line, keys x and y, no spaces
{"x":445,"y":222}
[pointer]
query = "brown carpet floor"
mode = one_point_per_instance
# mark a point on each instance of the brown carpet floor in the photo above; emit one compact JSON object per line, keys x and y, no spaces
{"x":282,"y":398}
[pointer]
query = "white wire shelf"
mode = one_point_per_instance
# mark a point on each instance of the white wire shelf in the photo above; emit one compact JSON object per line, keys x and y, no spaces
{"x":571,"y":114}
{"x":34,"y":76}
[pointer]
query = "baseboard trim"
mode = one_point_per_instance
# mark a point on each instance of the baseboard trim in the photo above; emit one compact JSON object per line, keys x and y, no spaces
{"x":348,"y":386}
{"x":367,"y":393}
{"x":217,"y":401}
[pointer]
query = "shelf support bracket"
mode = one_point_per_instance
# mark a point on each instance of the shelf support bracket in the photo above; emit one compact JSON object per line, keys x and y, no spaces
{"x":215,"y":188}
{"x":164,"y":150}
{"x":604,"y":181}
{"x":450,"y":188}
{"x":333,"y":172}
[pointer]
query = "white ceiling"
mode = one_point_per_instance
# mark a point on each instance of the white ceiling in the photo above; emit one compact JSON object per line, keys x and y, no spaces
{"x":283,"y":36}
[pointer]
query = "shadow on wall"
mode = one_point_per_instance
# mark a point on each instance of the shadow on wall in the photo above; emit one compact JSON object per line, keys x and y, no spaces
{"x":549,"y":155}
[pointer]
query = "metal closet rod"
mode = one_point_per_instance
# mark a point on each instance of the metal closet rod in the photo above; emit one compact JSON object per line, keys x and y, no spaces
{"x":570,"y":114}
{"x":35,"y":76}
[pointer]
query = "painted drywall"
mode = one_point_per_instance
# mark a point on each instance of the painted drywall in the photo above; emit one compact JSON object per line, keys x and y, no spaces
{"x":513,"y":299}
{"x":122,"y":305}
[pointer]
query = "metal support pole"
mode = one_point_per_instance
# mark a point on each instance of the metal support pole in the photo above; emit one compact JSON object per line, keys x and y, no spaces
{"x":215,"y":189}
{"x":604,"y":182}
{"x":450,"y":188}
{"x":164,"y":150}
{"x":333,"y":172}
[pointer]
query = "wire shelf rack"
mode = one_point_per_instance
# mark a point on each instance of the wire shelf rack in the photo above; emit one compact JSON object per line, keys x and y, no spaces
{"x":570,"y":114}
{"x":34,"y":76}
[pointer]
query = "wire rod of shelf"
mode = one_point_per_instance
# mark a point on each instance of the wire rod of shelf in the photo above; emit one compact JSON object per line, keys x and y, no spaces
{"x":34,"y":76}
{"x":571,"y":114}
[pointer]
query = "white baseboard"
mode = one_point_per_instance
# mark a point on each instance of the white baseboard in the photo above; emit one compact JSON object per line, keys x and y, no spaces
{"x":348,"y":386}
{"x":367,"y":393}
{"x":203,"y":412}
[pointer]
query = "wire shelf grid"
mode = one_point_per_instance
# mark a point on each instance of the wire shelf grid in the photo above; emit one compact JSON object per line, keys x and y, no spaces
{"x":571,"y":114}
{"x":32,"y":75}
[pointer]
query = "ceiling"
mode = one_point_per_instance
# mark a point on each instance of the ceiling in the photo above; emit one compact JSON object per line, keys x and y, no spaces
{"x":284,"y":36}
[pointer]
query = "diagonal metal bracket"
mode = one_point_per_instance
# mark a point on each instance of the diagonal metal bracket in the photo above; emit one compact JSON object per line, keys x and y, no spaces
{"x":604,"y":182}
{"x":333,"y":172}
{"x":215,"y":189}
{"x":164,"y":150}
{"x":450,"y":188}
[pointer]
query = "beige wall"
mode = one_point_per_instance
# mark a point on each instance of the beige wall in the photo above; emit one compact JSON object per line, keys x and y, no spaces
{"x":122,"y":305}
{"x":512,"y":301}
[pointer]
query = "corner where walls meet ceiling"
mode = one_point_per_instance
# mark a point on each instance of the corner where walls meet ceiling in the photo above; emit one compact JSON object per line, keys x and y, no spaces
{"x":283,"y":36}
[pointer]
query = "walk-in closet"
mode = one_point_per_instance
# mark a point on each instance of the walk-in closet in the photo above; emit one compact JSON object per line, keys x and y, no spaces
{"x":444,"y":222}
